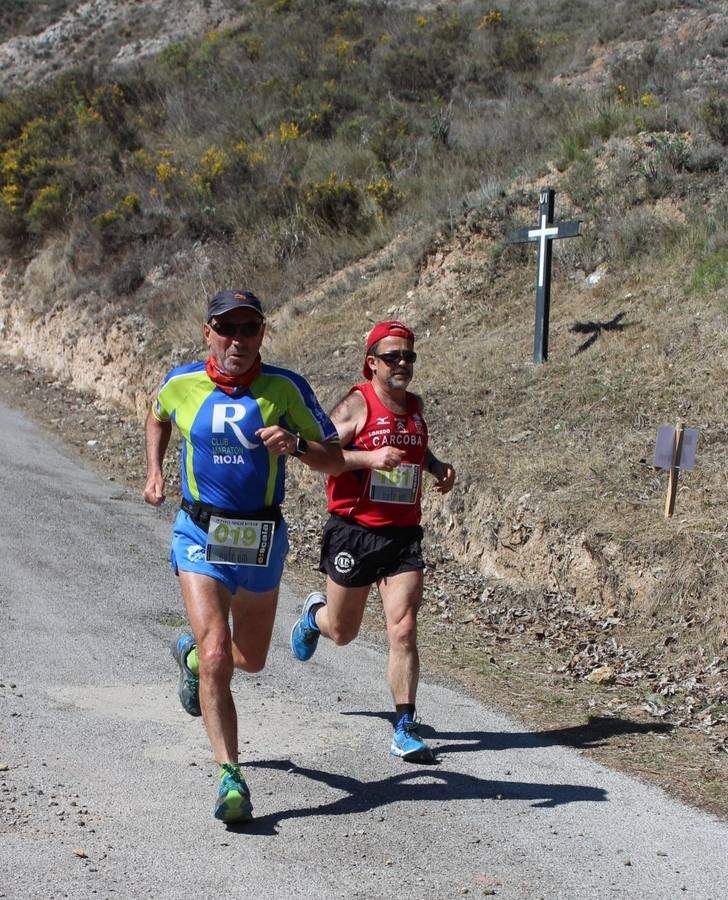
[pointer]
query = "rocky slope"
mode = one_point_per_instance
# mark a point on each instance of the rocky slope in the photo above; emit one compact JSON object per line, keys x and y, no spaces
{"x":114,"y":33}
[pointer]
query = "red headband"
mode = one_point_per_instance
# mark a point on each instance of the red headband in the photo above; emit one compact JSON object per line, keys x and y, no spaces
{"x":382,"y":330}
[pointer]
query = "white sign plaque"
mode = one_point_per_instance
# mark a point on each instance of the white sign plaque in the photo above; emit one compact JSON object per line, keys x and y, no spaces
{"x":665,"y":445}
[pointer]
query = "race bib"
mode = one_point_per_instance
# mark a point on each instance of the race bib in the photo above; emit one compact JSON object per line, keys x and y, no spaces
{"x":239,"y":542}
{"x":397,"y":486}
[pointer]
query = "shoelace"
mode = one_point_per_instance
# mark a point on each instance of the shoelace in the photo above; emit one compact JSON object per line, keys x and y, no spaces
{"x":409,"y":726}
{"x":233,"y":780}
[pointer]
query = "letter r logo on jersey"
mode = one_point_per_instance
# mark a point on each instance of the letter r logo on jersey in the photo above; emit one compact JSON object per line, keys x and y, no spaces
{"x":228,"y":415}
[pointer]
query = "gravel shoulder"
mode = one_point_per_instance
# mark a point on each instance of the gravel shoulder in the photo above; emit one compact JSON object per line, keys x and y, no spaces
{"x":484,"y":643}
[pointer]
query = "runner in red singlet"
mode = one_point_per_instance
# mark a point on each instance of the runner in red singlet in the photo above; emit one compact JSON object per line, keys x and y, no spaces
{"x":373,"y":534}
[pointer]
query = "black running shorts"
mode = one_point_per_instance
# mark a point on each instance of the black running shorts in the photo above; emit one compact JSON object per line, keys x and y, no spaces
{"x":355,"y":556}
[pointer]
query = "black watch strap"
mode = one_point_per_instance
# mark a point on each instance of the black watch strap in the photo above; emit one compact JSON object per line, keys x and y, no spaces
{"x":301,"y":446}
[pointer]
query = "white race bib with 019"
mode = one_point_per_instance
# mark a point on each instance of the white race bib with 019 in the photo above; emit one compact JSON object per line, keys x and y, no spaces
{"x":239,"y":542}
{"x":396,"y":486}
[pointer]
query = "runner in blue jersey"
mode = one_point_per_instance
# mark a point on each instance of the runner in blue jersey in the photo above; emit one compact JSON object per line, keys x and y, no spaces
{"x":239,"y":419}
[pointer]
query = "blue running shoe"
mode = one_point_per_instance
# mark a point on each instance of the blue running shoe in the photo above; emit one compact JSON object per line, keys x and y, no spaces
{"x":233,"y":797}
{"x":188,"y":689}
{"x":304,"y":638}
{"x":407,"y":744}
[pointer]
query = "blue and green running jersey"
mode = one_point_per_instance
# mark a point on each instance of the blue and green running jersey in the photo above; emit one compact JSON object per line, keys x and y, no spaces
{"x":223,"y":463}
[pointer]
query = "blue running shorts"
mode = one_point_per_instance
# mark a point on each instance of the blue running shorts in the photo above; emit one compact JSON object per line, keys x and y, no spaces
{"x":188,"y":554}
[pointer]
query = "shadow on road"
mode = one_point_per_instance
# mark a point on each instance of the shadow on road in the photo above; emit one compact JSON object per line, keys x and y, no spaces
{"x":594,"y":733}
{"x":420,"y":784}
{"x":423,"y":783}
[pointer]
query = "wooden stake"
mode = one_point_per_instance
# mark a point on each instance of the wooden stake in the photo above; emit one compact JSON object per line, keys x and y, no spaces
{"x":674,"y":471}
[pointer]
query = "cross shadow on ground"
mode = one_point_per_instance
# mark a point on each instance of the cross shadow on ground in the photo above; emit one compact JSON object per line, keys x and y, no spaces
{"x":594,"y":329}
{"x":420,"y":784}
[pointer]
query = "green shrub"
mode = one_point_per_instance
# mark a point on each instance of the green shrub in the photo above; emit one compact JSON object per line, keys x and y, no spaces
{"x":127,"y":277}
{"x":710,"y":274}
{"x":411,"y":73}
{"x":441,"y":124}
{"x":715,"y":118}
{"x":335,"y":201}
{"x":46,"y":209}
{"x":516,"y":49}
{"x":581,"y":182}
{"x":384,"y":193}
{"x":669,"y":157}
{"x":631,"y":74}
{"x":174,"y":60}
{"x":13,"y":115}
{"x":586,"y":130}
{"x":635,"y":235}
{"x":391,"y":137}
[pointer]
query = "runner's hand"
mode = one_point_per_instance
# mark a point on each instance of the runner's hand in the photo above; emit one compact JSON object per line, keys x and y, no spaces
{"x":154,"y":490}
{"x":277,"y":440}
{"x":386,"y":458}
{"x":444,"y":475}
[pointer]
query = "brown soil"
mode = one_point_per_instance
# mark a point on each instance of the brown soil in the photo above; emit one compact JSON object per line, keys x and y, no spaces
{"x":533,"y":660}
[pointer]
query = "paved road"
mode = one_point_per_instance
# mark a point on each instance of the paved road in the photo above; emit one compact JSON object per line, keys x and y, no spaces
{"x":106,"y":786}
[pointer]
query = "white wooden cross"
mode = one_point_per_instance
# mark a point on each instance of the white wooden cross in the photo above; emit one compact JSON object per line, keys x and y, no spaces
{"x":545,"y":233}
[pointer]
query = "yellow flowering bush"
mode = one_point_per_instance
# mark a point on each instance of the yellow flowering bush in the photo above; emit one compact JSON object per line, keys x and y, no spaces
{"x":10,"y":196}
{"x":384,"y":193}
{"x":10,"y":162}
{"x":130,"y":204}
{"x":336,"y":201}
{"x":339,"y":46}
{"x":106,"y":219}
{"x":491,"y":19}
{"x":247,"y":154}
{"x":165,"y":171}
{"x":142,"y":160}
{"x":288,"y":131}
{"x":46,"y":208}
{"x":87,"y":115}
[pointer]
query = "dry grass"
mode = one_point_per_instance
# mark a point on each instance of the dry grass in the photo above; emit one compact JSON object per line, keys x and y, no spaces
{"x":558,"y":456}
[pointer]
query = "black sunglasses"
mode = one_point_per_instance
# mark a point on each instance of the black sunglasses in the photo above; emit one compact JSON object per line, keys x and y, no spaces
{"x":237,"y":329}
{"x":394,"y":356}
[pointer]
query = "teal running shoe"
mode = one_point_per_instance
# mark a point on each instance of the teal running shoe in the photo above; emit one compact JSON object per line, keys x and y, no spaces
{"x":188,"y":689}
{"x":233,"y":797}
{"x":407,"y":744}
{"x":304,"y":638}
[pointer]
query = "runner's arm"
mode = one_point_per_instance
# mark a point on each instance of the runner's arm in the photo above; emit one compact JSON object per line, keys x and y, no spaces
{"x":349,"y":416}
{"x":157,"y":434}
{"x":321,"y":456}
{"x":442,"y":472}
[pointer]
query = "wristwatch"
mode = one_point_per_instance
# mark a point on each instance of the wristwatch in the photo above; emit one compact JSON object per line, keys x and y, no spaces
{"x":301,"y":446}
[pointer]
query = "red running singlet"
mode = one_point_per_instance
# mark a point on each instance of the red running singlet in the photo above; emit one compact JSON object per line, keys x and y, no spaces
{"x":373,"y":497}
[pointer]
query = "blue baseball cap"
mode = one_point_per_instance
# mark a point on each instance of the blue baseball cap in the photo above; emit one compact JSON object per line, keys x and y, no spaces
{"x":226,"y":301}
